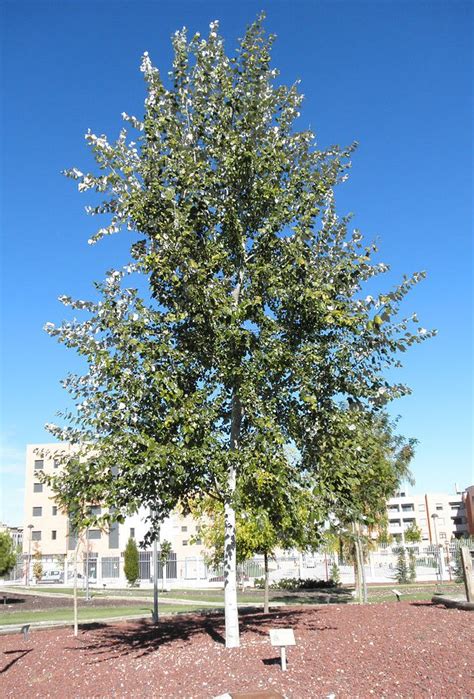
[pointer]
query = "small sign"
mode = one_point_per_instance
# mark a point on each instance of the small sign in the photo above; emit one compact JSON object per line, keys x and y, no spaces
{"x":282,"y":637}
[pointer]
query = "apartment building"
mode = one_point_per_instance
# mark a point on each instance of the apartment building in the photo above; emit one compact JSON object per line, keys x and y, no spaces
{"x":440,"y":516}
{"x":468,"y":500}
{"x":46,"y":530}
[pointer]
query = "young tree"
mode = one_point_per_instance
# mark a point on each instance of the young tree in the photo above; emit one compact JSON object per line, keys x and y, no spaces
{"x":401,"y":571}
{"x":131,"y":562}
{"x":413,"y":533}
{"x":369,"y":461}
{"x":8,"y":555}
{"x":411,"y":566}
{"x":38,"y":564}
{"x":76,"y":486}
{"x":251,"y":323}
{"x":165,"y":552}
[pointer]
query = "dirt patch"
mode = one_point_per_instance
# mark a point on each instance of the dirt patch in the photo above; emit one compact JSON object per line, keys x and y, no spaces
{"x":393,"y":650}
{"x":19,"y":603}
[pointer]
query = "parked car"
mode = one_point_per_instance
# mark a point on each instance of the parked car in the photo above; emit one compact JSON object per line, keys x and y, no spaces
{"x":52,"y":576}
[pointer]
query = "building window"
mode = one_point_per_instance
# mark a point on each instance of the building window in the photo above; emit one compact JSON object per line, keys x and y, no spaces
{"x":410,"y":520}
{"x":423,"y":521}
{"x":37,"y":511}
{"x":393,"y":508}
{"x":56,"y":463}
{"x":198,"y":542}
{"x":93,"y":534}
{"x":442,"y":535}
{"x":55,"y":510}
{"x":53,"y":534}
{"x":408,"y":508}
{"x":132,"y":532}
{"x":439,"y":506}
{"x":394,"y":521}
{"x":184,"y":529}
{"x":35,"y":535}
{"x":95,"y":510}
{"x":37,"y":487}
{"x":185,"y":542}
{"x":39,"y":464}
{"x":421,"y":508}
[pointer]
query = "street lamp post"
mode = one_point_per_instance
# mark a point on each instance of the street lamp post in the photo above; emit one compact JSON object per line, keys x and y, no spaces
{"x":434,"y":517}
{"x":27,"y":575}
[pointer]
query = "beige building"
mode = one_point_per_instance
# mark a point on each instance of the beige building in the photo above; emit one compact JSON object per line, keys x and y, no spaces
{"x":46,"y":530}
{"x":440,"y":516}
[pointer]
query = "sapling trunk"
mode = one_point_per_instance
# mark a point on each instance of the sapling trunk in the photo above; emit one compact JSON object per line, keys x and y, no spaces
{"x":266,"y":593}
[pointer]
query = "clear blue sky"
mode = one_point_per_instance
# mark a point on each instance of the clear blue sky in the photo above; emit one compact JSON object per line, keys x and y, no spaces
{"x":395,"y":76}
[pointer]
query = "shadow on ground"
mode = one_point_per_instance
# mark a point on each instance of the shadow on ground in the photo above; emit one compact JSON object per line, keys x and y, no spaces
{"x":105,"y":642}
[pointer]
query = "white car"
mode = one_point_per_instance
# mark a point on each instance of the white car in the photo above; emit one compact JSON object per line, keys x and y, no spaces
{"x":52,"y":576}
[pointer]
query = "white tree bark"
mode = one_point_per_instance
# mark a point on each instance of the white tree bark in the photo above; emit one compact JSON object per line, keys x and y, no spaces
{"x":232,"y":638}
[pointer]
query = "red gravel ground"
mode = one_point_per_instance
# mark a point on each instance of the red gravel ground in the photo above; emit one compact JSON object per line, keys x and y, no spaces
{"x":389,"y":650}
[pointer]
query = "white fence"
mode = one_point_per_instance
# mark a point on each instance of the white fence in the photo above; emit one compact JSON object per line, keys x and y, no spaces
{"x":431,"y":563}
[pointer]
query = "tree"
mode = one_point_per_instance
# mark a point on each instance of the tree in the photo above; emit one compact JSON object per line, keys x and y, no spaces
{"x":413,"y":533}
{"x":401,"y":571}
{"x":38,"y":564}
{"x":165,"y":553}
{"x":411,"y":566}
{"x":371,"y":460}
{"x":131,"y":563}
{"x":8,"y":554}
{"x":250,"y":323}
{"x":76,"y":487}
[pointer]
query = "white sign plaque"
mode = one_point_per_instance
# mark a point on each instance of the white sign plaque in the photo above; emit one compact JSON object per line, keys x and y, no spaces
{"x":282,"y":637}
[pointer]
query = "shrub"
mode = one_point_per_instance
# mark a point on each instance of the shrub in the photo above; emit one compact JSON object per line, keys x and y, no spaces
{"x":7,"y":554}
{"x":131,"y":566}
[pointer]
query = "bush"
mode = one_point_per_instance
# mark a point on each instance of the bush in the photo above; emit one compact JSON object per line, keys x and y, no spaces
{"x":297,"y":584}
{"x":131,"y":565}
{"x":7,"y":554}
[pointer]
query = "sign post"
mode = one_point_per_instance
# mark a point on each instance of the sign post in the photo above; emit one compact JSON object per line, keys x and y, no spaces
{"x":281,"y":638}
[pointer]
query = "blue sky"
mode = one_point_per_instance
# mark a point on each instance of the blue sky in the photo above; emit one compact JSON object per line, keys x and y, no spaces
{"x":395,"y":76}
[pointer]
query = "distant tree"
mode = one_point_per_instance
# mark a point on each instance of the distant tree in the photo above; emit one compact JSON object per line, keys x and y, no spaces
{"x":38,"y":564}
{"x":275,"y":510}
{"x":131,"y":562}
{"x":401,"y":570}
{"x":335,"y":573}
{"x":75,"y":487}
{"x":8,"y":554}
{"x":411,"y":565}
{"x":165,"y":552}
{"x":413,"y":533}
{"x":371,"y":460}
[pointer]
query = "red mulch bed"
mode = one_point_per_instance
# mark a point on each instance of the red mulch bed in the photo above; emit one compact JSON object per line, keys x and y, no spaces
{"x":389,"y":650}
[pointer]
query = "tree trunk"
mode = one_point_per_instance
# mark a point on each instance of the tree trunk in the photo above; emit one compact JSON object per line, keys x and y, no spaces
{"x":230,"y":571}
{"x":76,"y":551}
{"x":232,"y":638}
{"x":266,"y":593}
